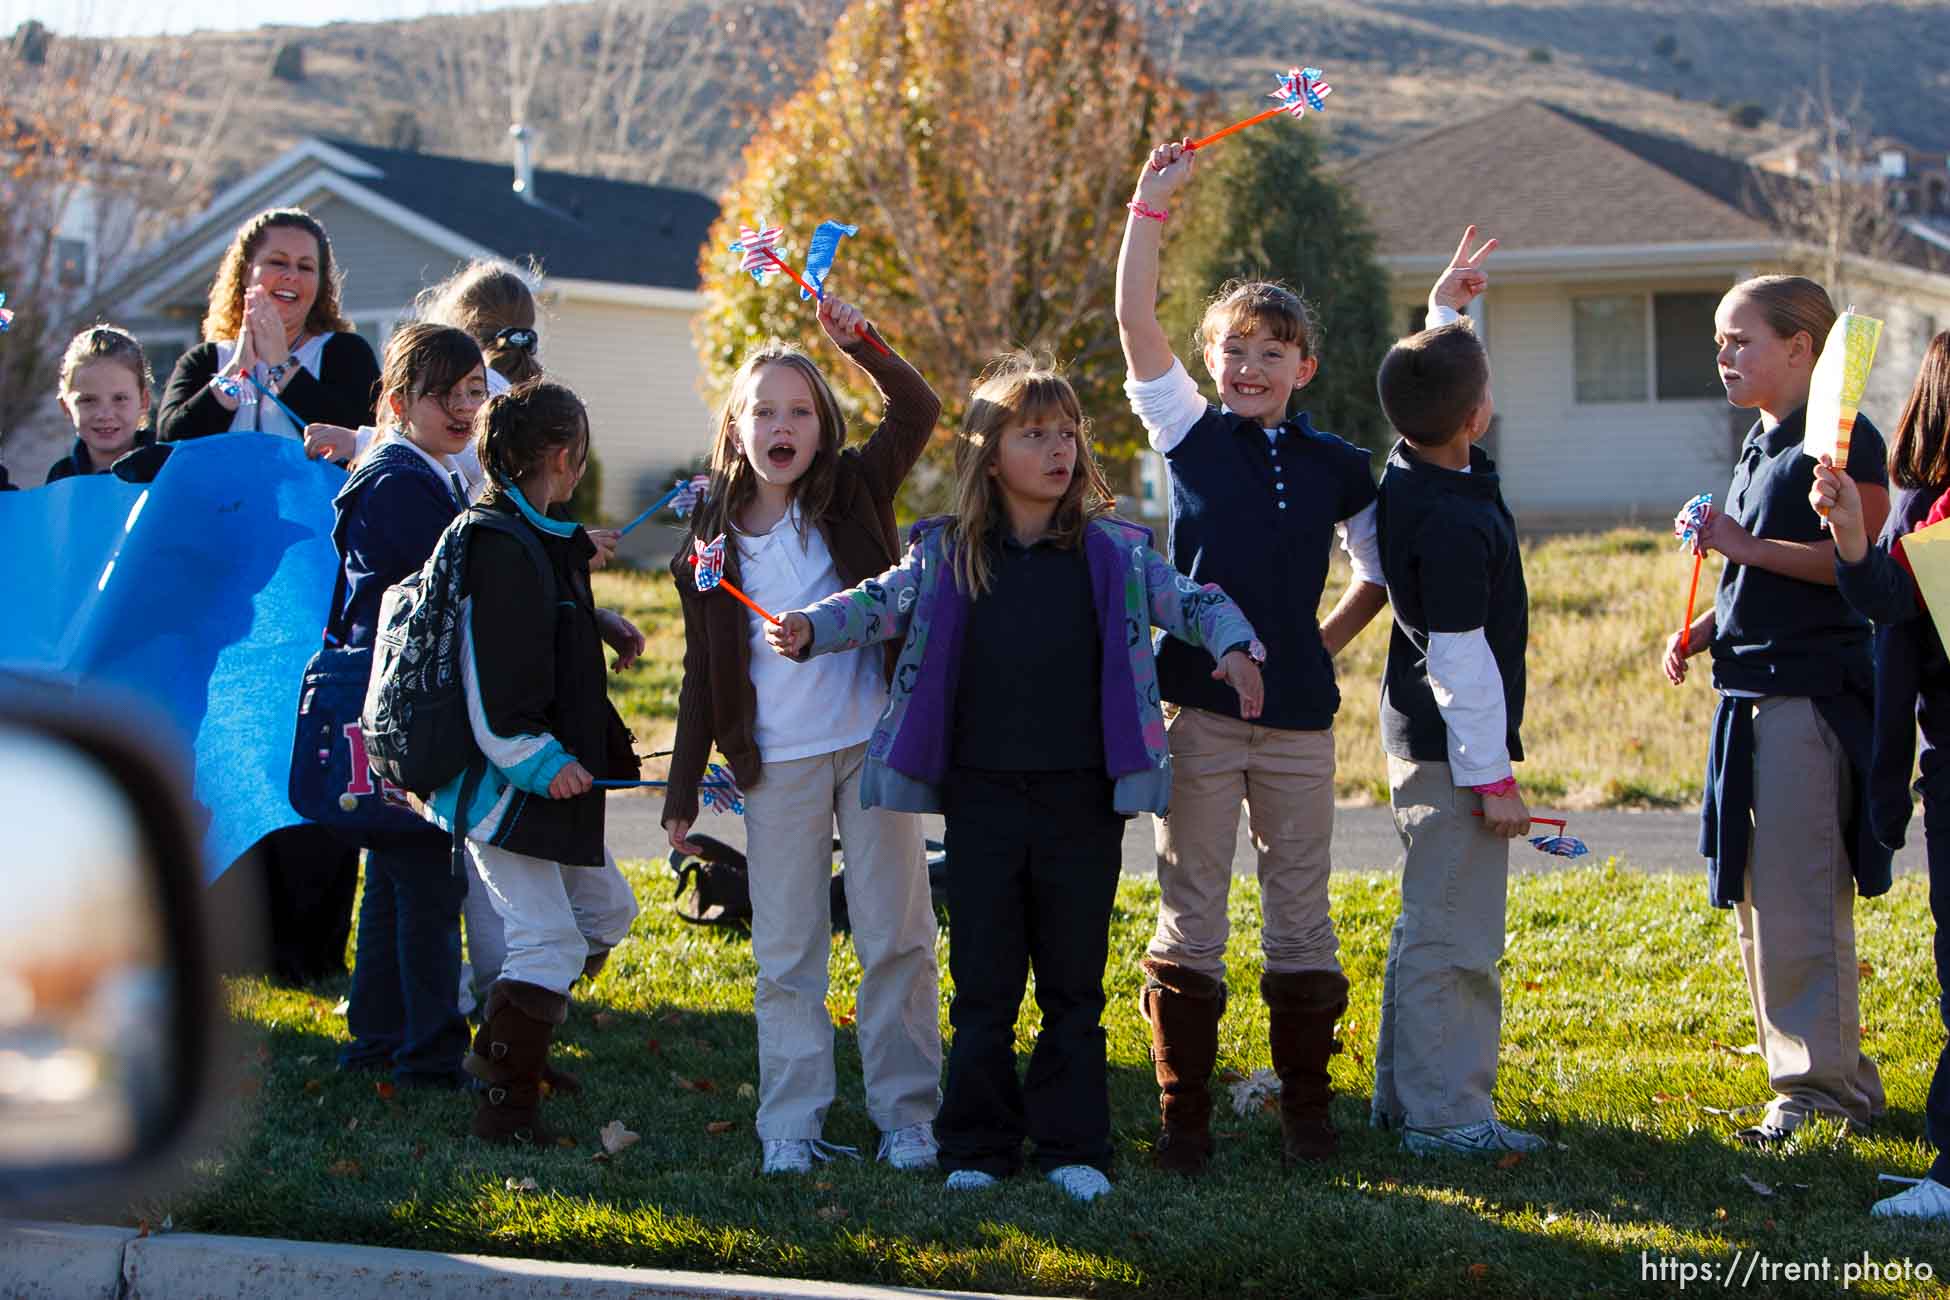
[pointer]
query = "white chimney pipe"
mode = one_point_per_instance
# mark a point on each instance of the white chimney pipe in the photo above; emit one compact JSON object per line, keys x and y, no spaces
{"x":524,"y":162}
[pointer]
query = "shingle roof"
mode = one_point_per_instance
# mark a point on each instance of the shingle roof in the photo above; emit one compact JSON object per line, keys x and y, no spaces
{"x":583,"y":227}
{"x":1537,"y":176}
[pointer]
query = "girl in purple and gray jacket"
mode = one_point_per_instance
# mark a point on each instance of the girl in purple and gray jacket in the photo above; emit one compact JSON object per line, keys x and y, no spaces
{"x":1025,"y":708}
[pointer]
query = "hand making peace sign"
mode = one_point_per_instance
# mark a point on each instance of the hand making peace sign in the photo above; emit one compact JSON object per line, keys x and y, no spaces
{"x":1464,"y":278}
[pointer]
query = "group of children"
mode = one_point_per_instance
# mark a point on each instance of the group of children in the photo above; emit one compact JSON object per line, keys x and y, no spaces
{"x":997,"y":667}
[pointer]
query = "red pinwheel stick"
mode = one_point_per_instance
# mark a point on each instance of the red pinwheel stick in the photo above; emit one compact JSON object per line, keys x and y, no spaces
{"x":878,"y":345}
{"x":1547,"y":821}
{"x":1692,"y":594}
{"x":1254,"y":120}
{"x":740,"y":596}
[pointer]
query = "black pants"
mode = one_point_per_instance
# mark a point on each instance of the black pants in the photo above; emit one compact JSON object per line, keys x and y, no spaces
{"x":310,"y":878}
{"x":1936,"y":1109}
{"x":1033,"y":861}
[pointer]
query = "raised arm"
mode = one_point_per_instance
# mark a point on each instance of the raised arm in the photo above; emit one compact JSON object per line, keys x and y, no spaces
{"x":1147,"y":352}
{"x":910,"y":407}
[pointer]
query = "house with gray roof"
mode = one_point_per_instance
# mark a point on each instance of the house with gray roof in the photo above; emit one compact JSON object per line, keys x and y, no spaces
{"x":618,"y":289}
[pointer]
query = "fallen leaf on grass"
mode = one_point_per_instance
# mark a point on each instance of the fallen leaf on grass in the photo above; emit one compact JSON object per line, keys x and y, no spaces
{"x":1510,"y":1160}
{"x":1478,"y":1272}
{"x":1720,"y":1213}
{"x":747,"y":1093}
{"x":617,"y":1138}
{"x":525,"y":1185}
{"x":822,"y":1186}
{"x":1745,"y":1049}
{"x":1865,"y":970}
{"x":721,"y":1126}
{"x":1140,"y":1235}
{"x":1759,"y":1188}
{"x":1533,"y":986}
{"x":352,"y":1125}
{"x":1731,"y":1111}
{"x":692,"y":1085}
{"x":419,"y":1151}
{"x":844,"y":1019}
{"x":1551,"y":1218}
{"x":653,"y":1047}
{"x":566,"y":1142}
{"x":831,"y":1213}
{"x":313,"y":1087}
{"x":307,"y":1060}
{"x":385,"y":1090}
{"x":603,"y":1019}
{"x":342,"y":1006}
{"x":344,"y":1169}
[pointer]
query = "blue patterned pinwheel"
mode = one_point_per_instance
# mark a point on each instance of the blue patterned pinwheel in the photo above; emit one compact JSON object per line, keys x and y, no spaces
{"x":820,"y":249}
{"x":690,"y":496}
{"x":1691,"y":518}
{"x":719,"y":791}
{"x":1562,"y":846}
{"x":6,"y":316}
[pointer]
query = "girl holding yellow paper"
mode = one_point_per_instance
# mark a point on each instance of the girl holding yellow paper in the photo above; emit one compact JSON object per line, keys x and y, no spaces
{"x":1781,"y":826}
{"x":1893,"y":582}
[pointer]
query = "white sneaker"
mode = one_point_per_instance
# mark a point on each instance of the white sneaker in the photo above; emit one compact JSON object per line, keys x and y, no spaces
{"x":912,"y":1147}
{"x":796,"y":1155}
{"x":970,"y":1180}
{"x":1929,"y":1199}
{"x":1080,"y":1182}
{"x":1488,"y":1137}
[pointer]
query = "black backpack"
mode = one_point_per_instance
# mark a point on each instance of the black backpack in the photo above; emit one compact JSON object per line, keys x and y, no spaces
{"x":415,"y":721}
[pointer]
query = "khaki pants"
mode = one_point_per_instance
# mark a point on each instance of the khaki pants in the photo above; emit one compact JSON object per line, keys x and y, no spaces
{"x":789,"y":818}
{"x":1286,"y":779}
{"x":1796,"y":923}
{"x":1442,"y":996}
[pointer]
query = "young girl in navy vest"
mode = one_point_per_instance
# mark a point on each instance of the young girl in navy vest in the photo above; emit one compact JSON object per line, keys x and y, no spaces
{"x":804,"y":516}
{"x":105,"y":385}
{"x":1781,"y":822}
{"x":1255,"y":499}
{"x":1025,"y":708}
{"x":537,"y":698}
{"x":1912,"y":686}
{"x":403,"y":1012}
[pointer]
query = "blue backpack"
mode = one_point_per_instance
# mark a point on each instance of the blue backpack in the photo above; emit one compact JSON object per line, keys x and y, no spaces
{"x":415,"y":724}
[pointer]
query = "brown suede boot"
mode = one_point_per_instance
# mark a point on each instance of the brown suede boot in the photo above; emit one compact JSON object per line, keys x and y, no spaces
{"x":1303,"y":1008}
{"x":508,"y":1057}
{"x":1183,"y":1007}
{"x":477,"y":1064}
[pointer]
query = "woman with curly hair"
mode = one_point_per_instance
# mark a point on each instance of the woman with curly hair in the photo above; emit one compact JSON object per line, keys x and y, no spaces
{"x":274,"y":319}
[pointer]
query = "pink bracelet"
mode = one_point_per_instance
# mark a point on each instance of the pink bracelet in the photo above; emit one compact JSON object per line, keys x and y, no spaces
{"x":1507,"y":785}
{"x":1145,"y":211}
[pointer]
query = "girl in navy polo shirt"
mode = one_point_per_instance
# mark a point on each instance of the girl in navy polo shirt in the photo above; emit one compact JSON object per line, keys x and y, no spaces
{"x":1912,"y":686}
{"x":1255,"y":501}
{"x":1788,"y":841}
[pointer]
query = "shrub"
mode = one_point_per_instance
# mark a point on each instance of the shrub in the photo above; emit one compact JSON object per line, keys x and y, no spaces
{"x":288,"y":64}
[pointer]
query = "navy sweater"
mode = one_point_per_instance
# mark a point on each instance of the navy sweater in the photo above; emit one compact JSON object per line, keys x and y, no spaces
{"x":1257,"y":518}
{"x":388,"y":517}
{"x":78,"y":462}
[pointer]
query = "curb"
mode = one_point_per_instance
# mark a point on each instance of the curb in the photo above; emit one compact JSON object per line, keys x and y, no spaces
{"x":78,"y":1262}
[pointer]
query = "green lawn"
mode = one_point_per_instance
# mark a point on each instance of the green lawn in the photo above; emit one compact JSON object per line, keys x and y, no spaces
{"x":1602,"y":728}
{"x":1623,"y":1020}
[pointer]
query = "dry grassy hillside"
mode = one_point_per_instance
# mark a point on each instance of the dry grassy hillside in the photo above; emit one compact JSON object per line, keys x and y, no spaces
{"x":1400,"y":67}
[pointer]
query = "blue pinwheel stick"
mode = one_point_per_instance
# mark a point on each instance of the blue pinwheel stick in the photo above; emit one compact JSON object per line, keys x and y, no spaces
{"x":690,"y":490}
{"x":232,"y":388}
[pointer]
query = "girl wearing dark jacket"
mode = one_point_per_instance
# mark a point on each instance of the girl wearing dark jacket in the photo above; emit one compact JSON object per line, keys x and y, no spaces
{"x":1912,"y":686}
{"x":538,"y":699}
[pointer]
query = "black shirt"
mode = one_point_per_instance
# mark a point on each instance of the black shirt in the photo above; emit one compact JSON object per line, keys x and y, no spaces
{"x":1776,"y":635}
{"x":1449,"y":553}
{"x":1256,"y":517}
{"x":1030,"y":694}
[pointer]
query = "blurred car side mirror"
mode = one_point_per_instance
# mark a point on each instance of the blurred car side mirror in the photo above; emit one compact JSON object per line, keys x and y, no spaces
{"x":106,"y":987}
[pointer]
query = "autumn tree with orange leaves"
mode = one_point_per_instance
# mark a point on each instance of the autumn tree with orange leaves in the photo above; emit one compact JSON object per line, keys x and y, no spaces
{"x":986,"y":149}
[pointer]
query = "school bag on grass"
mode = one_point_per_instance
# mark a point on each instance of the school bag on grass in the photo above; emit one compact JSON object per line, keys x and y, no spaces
{"x":415,"y":721}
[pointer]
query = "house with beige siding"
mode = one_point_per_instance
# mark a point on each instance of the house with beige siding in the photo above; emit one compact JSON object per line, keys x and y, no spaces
{"x":1615,"y":247}
{"x":618,"y":290}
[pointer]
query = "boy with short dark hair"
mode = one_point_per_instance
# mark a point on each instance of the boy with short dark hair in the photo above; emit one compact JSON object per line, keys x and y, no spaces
{"x":1451,"y":707}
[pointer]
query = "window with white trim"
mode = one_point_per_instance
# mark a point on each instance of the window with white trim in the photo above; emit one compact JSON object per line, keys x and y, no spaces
{"x":1641,"y":347}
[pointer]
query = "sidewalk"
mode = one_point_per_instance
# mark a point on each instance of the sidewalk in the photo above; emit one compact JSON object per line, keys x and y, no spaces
{"x":62,"y":1261}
